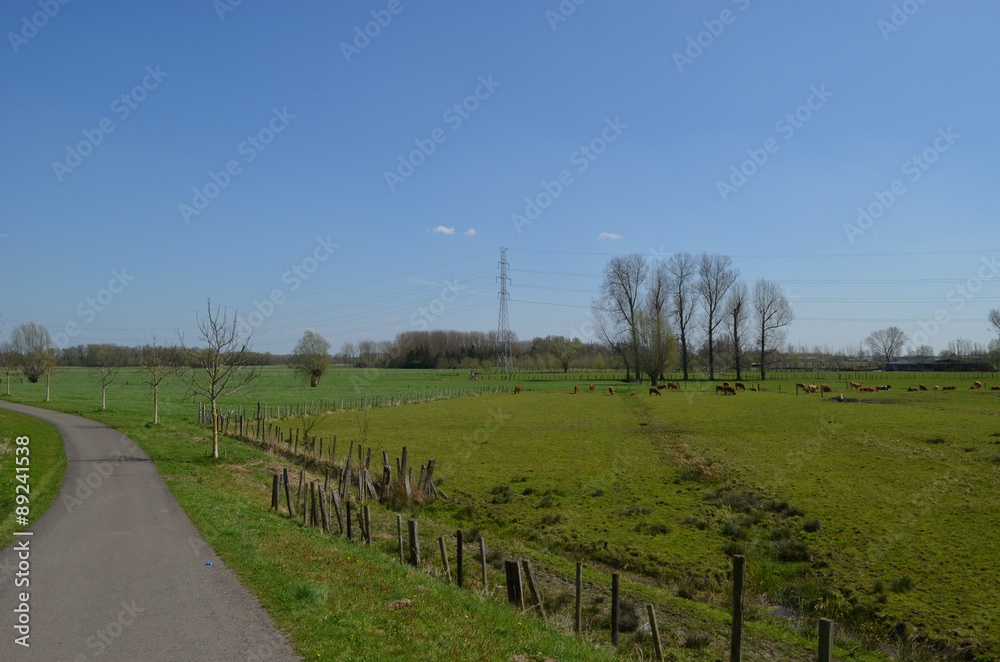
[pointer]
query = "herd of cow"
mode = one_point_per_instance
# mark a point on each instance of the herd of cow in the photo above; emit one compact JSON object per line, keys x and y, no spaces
{"x":727,"y":389}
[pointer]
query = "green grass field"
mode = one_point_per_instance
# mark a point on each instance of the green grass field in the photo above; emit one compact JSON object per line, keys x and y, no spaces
{"x":879,"y":513}
{"x":46,"y":464}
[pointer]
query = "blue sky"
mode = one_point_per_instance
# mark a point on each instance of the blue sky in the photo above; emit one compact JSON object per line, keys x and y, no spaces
{"x":159,"y":154}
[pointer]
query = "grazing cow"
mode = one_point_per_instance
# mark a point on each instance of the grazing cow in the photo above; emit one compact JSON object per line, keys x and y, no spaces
{"x":855,"y":385}
{"x":974,"y":387}
{"x":517,"y":389}
{"x":576,"y":389}
{"x":978,"y":384}
{"x":719,"y":388}
{"x":611,"y":390}
{"x":995,"y":388}
{"x":592,"y":387}
{"x":672,"y":385}
{"x":754,"y":389}
{"x":827,"y":388}
{"x":922,"y":387}
{"x":812,"y":388}
{"x":728,"y":390}
{"x":725,"y":383}
{"x":740,"y":386}
{"x":913,"y":388}
{"x":654,"y":391}
{"x":948,"y":388}
{"x":800,"y":385}
{"x":936,"y":388}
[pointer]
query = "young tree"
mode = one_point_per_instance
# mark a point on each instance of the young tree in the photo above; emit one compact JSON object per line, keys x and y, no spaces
{"x":683,"y":270}
{"x":995,"y":319}
{"x":620,"y":296}
{"x":34,"y":345}
{"x":311,"y":356}
{"x":772,"y":313}
{"x":9,"y":361}
{"x":220,"y":369}
{"x":736,"y":314}
{"x":106,"y":371}
{"x":562,"y":348}
{"x":158,"y":363}
{"x":715,"y":277}
{"x":655,"y":338}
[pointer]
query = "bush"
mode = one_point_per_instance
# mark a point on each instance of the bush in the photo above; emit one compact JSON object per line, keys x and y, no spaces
{"x":546,"y":502}
{"x":502,"y":494}
{"x":697,"y":641}
{"x":551,"y":519}
{"x":811,"y":526}
{"x":597,"y":493}
{"x":791,"y":550}
{"x":466,"y":511}
{"x":635,"y":511}
{"x":734,"y":528}
{"x":902,"y":585}
{"x":733,"y":549}
{"x":696,"y":522}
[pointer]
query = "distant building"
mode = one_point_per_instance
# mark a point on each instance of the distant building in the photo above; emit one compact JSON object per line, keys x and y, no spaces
{"x":937,"y":365}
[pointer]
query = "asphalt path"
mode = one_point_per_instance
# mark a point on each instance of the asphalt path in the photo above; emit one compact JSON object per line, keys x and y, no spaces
{"x":118,"y":572}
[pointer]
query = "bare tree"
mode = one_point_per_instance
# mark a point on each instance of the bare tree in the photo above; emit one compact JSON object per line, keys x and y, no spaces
{"x":220,"y":369}
{"x":737,"y":313}
{"x":656,"y":342}
{"x":715,"y":277}
{"x":683,"y":270}
{"x":311,"y":356}
{"x":620,"y":296}
{"x":614,"y":335}
{"x":995,"y":319}
{"x":772,"y":313}
{"x":106,"y":371}
{"x":9,"y":361}
{"x":158,"y":363}
{"x":886,"y":344}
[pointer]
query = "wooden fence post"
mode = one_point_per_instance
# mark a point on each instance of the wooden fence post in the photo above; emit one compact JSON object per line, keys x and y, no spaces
{"x":614,"y":609}
{"x":414,"y":543}
{"x":350,"y":532}
{"x":654,"y":628}
{"x":288,"y":495}
{"x":536,"y":595}
{"x":368,"y":525}
{"x":825,"y":640}
{"x":459,"y":561}
{"x":313,"y":512}
{"x":739,"y":569}
{"x":399,"y":534}
{"x":578,"y":617}
{"x":444,"y":558}
{"x":325,"y":517}
{"x":514,"y":594}
{"x":482,"y":560}
{"x":274,"y":493}
{"x":338,"y":509}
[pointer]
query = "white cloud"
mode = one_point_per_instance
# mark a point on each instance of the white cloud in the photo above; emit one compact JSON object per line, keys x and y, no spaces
{"x":609,"y":235}
{"x":469,"y":233}
{"x":443,"y":230}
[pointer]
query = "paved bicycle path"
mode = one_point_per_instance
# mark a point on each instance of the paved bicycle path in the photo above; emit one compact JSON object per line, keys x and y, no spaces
{"x":118,"y":572}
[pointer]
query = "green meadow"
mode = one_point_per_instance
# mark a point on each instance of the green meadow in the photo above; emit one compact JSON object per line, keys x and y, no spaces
{"x":879,"y":512}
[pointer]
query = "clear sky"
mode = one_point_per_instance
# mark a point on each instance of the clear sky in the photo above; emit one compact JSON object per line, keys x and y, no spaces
{"x":157,"y":154}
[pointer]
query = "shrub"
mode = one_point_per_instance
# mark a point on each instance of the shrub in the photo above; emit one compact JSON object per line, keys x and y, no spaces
{"x":697,"y":641}
{"x":597,"y":493}
{"x":501,"y":494}
{"x":811,"y":526}
{"x":901,"y":585}
{"x":635,"y":511}
{"x":791,"y":550}
{"x":734,"y":528}
{"x":466,"y":511}
{"x":546,"y":502}
{"x":696,"y":522}
{"x":551,"y":519}
{"x":528,"y":491}
{"x":733,"y":548}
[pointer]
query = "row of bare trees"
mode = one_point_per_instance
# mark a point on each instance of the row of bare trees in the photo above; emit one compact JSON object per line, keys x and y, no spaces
{"x":647,"y":312}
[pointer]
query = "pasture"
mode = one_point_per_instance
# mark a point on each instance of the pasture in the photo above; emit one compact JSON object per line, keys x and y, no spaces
{"x":879,"y":513}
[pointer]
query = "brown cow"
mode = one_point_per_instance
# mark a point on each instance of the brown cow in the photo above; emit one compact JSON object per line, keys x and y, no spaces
{"x":978,"y":384}
{"x":611,"y":390}
{"x":517,"y":389}
{"x":725,"y":383}
{"x":740,"y":386}
{"x":754,"y":389}
{"x":948,"y":388}
{"x":576,"y":389}
{"x":728,"y":390}
{"x":936,"y":388}
{"x":654,"y":391}
{"x":672,"y":385}
{"x":827,"y":388}
{"x":855,"y":385}
{"x":922,"y":387}
{"x":974,"y":387}
{"x":591,"y":387}
{"x":719,"y":388}
{"x":995,"y":388}
{"x":800,"y":385}
{"x":913,"y":388}
{"x":812,"y":388}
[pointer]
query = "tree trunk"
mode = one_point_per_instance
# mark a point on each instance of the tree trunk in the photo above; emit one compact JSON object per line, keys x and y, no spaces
{"x":314,"y":381}
{"x":215,"y":431}
{"x":156,"y":405}
{"x":104,"y":398}
{"x":48,"y":380}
